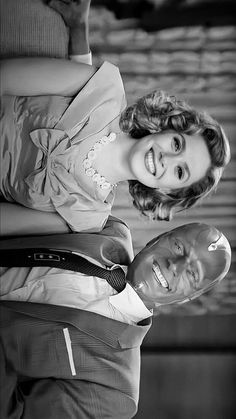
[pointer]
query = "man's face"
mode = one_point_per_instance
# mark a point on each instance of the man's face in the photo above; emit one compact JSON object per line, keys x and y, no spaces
{"x":174,"y":266}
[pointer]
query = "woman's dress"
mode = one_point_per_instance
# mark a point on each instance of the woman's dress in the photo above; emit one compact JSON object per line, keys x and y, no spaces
{"x":40,"y":141}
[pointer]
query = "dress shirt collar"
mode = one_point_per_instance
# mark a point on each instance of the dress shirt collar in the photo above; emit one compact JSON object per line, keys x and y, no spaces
{"x":130,"y":304}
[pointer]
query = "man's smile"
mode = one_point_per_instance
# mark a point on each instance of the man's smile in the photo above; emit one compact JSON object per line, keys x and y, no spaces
{"x":159,"y":277}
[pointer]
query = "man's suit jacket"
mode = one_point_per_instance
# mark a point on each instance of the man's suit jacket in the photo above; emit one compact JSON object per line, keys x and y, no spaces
{"x":111,"y":245}
{"x":60,"y":362}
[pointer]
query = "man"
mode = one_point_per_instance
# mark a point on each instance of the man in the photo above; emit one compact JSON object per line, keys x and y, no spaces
{"x":61,"y":361}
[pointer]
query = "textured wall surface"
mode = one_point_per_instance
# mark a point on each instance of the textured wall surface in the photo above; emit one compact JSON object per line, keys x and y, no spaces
{"x":197,"y":64}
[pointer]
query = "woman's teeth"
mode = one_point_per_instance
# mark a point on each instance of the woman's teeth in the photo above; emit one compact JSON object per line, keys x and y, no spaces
{"x":149,"y":160}
{"x":160,"y":278}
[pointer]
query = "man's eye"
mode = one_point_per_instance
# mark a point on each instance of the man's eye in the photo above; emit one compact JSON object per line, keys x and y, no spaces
{"x":176,"y":144}
{"x":193,"y":277}
{"x":179,"y":248}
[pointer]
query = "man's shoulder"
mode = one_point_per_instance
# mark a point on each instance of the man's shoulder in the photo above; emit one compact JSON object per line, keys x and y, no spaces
{"x":120,"y":245}
{"x":112,"y":245}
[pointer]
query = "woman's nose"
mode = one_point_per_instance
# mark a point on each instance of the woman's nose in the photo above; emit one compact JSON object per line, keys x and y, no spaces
{"x":168,"y":158}
{"x":160,"y":164}
{"x":161,"y":159}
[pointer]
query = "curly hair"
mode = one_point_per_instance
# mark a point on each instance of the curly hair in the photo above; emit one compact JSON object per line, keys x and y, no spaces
{"x":158,"y":112}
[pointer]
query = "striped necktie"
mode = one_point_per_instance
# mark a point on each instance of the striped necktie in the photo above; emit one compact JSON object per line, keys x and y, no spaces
{"x":61,"y":259}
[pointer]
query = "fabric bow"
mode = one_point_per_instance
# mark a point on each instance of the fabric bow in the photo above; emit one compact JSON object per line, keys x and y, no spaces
{"x":50,"y":178}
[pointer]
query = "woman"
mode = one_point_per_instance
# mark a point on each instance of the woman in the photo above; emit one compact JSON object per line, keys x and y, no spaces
{"x":55,"y":157}
{"x":66,"y":156}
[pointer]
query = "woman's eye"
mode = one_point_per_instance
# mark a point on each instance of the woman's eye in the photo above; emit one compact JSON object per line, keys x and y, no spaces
{"x":176,"y":144}
{"x":180,"y":172}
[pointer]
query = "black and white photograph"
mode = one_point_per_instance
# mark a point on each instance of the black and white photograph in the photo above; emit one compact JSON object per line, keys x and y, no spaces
{"x":118,"y":209}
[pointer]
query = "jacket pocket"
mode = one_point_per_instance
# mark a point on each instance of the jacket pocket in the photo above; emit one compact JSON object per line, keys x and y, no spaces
{"x":69,"y":350}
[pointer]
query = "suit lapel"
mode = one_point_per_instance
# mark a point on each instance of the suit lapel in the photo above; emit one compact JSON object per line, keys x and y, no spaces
{"x":112,"y":332}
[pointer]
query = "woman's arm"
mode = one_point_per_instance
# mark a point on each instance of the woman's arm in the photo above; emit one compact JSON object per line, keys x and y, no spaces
{"x":16,"y":220}
{"x":43,"y":76}
{"x":50,"y":76}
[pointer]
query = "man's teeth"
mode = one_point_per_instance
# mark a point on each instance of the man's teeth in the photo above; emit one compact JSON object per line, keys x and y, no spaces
{"x":150,"y":162}
{"x":159,"y":276}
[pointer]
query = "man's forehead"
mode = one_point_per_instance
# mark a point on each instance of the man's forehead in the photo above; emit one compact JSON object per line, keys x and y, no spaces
{"x":197,"y":233}
{"x":198,"y":236}
{"x":187,"y":233}
{"x":185,"y":230}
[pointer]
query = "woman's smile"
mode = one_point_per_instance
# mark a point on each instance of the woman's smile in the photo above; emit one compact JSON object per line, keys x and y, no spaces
{"x":149,"y":162}
{"x":153,"y":161}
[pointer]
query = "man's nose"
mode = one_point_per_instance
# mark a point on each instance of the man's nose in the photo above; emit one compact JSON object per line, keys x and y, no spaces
{"x":177,"y":266}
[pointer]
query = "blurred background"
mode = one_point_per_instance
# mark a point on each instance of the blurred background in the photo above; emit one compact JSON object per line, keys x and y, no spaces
{"x":188,"y":48}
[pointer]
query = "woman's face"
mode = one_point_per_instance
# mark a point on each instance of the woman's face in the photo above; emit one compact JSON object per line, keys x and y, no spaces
{"x":169,"y":160}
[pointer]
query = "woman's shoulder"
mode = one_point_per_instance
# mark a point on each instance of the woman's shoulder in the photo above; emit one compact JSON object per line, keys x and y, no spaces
{"x":108,"y":68}
{"x":108,"y":77}
{"x":99,"y":102}
{"x":111,"y":70}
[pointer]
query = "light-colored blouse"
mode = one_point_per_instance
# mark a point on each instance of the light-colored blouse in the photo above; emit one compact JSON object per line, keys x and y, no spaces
{"x":40,"y":146}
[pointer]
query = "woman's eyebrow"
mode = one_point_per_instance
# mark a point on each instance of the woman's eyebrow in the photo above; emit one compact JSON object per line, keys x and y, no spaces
{"x":183,"y":141}
{"x":186,"y":168}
